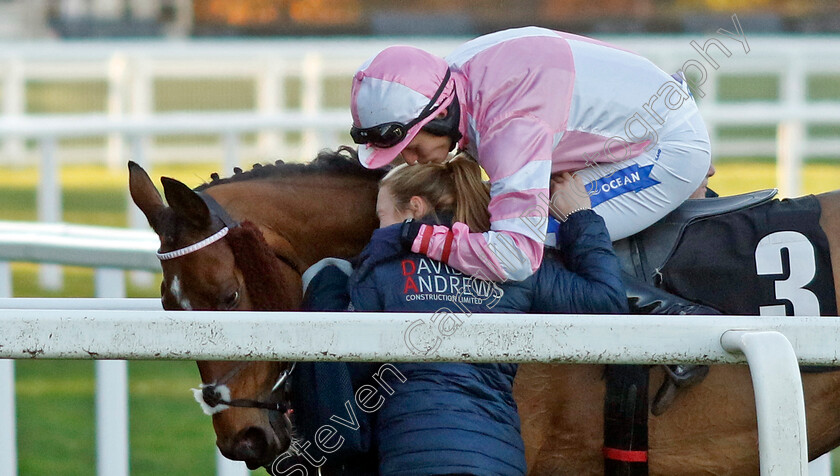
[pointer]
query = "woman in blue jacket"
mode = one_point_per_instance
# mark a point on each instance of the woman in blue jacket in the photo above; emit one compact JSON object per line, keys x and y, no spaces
{"x":459,"y":418}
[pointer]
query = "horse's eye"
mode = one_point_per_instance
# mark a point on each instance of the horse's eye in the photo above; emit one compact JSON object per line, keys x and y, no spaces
{"x":231,"y":300}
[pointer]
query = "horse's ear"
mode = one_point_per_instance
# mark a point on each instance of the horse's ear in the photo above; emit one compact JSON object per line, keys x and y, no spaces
{"x":186,"y":203}
{"x":144,"y":194}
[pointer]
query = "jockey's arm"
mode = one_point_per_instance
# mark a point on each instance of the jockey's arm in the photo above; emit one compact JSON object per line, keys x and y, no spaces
{"x":516,"y":154}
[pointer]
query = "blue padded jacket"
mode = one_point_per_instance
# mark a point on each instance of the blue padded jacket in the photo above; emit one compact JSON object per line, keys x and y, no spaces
{"x":458,"y":418}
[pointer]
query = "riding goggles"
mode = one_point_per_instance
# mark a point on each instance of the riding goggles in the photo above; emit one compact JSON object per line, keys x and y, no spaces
{"x":389,"y":134}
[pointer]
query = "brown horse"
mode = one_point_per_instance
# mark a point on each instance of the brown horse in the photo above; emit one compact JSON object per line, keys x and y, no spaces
{"x":326,"y":209}
{"x":299,"y":215}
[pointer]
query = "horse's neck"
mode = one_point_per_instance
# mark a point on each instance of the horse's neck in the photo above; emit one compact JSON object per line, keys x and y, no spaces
{"x":318,"y":216}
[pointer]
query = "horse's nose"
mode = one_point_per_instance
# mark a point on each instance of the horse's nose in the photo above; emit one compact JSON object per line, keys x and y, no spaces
{"x":251,"y":445}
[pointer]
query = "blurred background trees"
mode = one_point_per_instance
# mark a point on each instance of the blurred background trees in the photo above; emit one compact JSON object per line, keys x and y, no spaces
{"x":133,"y":18}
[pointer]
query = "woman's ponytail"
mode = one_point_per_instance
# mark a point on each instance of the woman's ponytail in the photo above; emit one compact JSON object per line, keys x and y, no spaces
{"x":471,"y":194}
{"x":454,"y":186}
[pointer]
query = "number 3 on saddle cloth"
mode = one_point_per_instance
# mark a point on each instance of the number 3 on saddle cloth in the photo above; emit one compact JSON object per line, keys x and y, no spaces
{"x":746,"y":255}
{"x":768,"y":259}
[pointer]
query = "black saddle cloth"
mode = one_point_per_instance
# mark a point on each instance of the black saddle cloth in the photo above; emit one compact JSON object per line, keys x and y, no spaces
{"x":742,"y":255}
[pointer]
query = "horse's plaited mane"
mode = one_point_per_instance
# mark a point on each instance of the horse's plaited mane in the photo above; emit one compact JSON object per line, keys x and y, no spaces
{"x":343,"y":162}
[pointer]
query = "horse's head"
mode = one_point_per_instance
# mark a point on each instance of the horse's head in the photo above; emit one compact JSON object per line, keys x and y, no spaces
{"x":210,"y":262}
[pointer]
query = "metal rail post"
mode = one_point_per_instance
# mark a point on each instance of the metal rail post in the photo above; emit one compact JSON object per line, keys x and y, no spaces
{"x":111,"y":393}
{"x":49,"y":203}
{"x":779,"y":400}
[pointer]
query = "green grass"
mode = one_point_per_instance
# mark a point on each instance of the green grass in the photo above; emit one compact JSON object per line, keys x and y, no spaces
{"x":164,"y":417}
{"x":204,"y":94}
{"x":748,"y":88}
{"x":55,"y":408}
{"x":66,"y":97}
{"x":55,"y":411}
{"x":55,"y":405}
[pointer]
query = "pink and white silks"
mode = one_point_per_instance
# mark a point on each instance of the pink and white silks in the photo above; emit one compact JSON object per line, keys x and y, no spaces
{"x":535,"y":102}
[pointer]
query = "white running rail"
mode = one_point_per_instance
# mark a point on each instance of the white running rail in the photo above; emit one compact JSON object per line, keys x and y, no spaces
{"x":773,"y":347}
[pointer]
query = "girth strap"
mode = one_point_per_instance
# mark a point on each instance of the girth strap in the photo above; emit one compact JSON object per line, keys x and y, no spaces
{"x":626,"y":421}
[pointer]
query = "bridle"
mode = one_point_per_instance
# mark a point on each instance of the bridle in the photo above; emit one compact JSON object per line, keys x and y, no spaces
{"x":228,"y":223}
{"x":210,"y":394}
{"x":213,"y":397}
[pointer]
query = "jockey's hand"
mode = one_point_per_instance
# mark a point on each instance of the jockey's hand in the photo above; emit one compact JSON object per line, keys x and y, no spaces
{"x":568,"y":195}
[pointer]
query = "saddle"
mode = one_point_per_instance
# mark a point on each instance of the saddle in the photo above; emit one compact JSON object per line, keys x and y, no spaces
{"x":644,"y":254}
{"x":626,"y":403}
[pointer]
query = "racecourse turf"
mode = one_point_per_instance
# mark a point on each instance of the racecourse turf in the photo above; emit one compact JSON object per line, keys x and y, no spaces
{"x":169,"y":434}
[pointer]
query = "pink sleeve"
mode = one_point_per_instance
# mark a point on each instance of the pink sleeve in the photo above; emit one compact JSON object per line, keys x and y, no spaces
{"x":497,"y":256}
{"x":513,"y":248}
{"x":518,"y":110}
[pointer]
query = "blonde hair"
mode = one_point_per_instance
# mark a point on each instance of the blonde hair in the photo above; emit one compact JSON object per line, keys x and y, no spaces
{"x":454,"y":186}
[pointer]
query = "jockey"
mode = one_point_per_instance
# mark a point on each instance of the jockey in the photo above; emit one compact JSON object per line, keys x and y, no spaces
{"x":529,"y":103}
{"x":459,"y":418}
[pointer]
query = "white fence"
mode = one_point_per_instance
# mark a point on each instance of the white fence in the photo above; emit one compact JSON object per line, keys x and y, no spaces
{"x":138,"y":329}
{"x":770,"y":345}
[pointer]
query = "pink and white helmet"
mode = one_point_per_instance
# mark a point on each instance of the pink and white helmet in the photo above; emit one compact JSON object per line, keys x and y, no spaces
{"x":391,"y":91}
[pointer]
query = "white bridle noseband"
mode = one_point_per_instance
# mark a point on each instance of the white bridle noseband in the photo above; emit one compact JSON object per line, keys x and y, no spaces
{"x":193,"y":247}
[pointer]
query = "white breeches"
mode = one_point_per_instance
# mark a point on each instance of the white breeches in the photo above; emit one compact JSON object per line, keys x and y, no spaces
{"x":633,"y":194}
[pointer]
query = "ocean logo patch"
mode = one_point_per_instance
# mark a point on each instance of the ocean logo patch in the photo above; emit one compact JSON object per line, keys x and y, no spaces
{"x":628,"y":179}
